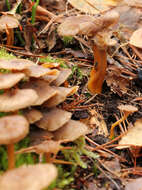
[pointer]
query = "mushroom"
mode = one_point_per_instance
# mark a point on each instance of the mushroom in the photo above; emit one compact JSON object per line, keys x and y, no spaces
{"x":12,"y":129}
{"x":31,"y":177}
{"x":92,"y":27}
{"x":64,"y":74}
{"x":7,"y":23}
{"x":127,"y":110}
{"x":32,"y":115}
{"x":71,"y":131}
{"x":15,"y":64}
{"x":132,"y":139}
{"x":13,"y":100}
{"x":54,"y":119}
{"x":60,"y":96}
{"x":10,"y":79}
{"x":40,"y":71}
{"x":136,"y":38}
{"x":43,"y":90}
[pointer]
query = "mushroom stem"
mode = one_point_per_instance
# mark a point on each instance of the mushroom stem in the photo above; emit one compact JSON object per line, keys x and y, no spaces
{"x":117,"y":123}
{"x":98,"y":72}
{"x":10,"y":36}
{"x":11,"y":157}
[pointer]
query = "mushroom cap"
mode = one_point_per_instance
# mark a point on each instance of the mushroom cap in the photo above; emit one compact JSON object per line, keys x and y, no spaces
{"x":49,"y":146}
{"x":31,"y":177}
{"x":15,"y":64}
{"x":134,"y":184}
{"x":133,"y":136}
{"x":136,"y":38}
{"x":60,"y":96}
{"x":83,"y":25}
{"x":64,"y":74}
{"x":10,"y":79}
{"x":39,"y":71}
{"x":13,"y":129}
{"x":50,"y":78}
{"x":18,"y":99}
{"x":71,"y":131}
{"x":8,"y":21}
{"x":87,"y":25}
{"x":43,"y":90}
{"x":33,"y":115}
{"x":54,"y":119}
{"x":127,"y":108}
{"x":40,"y":135}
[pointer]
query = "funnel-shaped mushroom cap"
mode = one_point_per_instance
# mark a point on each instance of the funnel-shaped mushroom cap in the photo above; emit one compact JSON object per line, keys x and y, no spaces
{"x":10,"y":79}
{"x":87,"y":25}
{"x":33,"y":115}
{"x":127,"y":108}
{"x":54,"y":119}
{"x":39,"y":71}
{"x":15,"y":64}
{"x":31,"y":177}
{"x":71,"y":131}
{"x":43,"y":90}
{"x":136,"y":38}
{"x":13,"y":129}
{"x":17,"y":99}
{"x":64,"y":74}
{"x":133,"y":136}
{"x":50,"y":78}
{"x":38,"y":136}
{"x":8,"y":21}
{"x":61,"y":95}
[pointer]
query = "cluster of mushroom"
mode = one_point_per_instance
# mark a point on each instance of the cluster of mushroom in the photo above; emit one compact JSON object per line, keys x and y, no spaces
{"x":36,"y":91}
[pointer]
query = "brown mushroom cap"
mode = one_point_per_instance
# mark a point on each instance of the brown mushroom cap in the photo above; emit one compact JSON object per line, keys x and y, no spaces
{"x":33,"y":115}
{"x":12,"y":129}
{"x":39,"y":71}
{"x":60,"y":96}
{"x":87,"y":25}
{"x":31,"y":177}
{"x":127,"y":108}
{"x":136,"y":38}
{"x":71,"y":131}
{"x":43,"y":90}
{"x":64,"y":74}
{"x":15,"y":64}
{"x":54,"y":119}
{"x":133,"y":136}
{"x":10,"y":79}
{"x":8,"y":21}
{"x":17,"y":99}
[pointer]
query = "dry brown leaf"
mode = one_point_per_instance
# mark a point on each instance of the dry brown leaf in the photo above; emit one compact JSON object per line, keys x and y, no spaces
{"x":93,"y":6}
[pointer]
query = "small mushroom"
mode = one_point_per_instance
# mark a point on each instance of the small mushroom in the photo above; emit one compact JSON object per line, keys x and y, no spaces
{"x":97,"y":30}
{"x":60,"y":96}
{"x":7,"y":23}
{"x":31,"y":177}
{"x":10,"y":79}
{"x":43,"y":90}
{"x":15,"y":64}
{"x":54,"y":119}
{"x":64,"y":74}
{"x":12,"y":129}
{"x":32,"y":115}
{"x":127,"y":110}
{"x":40,"y":71}
{"x":136,"y":38}
{"x":13,"y":100}
{"x":71,"y":131}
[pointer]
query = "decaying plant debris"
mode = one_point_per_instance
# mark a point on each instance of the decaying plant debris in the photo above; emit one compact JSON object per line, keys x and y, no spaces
{"x":70,"y":94}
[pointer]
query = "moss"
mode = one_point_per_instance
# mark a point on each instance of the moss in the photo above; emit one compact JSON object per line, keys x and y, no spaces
{"x":50,"y":59}
{"x":5,"y":55}
{"x":67,"y":40}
